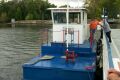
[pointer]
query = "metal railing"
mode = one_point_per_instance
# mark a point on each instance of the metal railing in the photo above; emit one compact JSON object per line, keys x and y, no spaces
{"x":107,"y":57}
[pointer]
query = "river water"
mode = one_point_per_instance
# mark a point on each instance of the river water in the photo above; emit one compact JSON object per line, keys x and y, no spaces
{"x":115,"y":34}
{"x":20,"y":43}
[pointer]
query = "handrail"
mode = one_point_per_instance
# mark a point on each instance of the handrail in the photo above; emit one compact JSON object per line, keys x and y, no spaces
{"x":105,"y":58}
{"x":47,"y":37}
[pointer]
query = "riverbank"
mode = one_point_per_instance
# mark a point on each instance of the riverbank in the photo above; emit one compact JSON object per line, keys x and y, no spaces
{"x":48,"y":22}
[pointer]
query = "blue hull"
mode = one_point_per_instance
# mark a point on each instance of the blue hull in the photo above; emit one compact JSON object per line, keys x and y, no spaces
{"x":55,"y":74}
{"x":58,"y":68}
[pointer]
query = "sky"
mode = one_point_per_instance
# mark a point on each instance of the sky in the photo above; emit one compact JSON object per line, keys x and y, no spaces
{"x":73,"y":3}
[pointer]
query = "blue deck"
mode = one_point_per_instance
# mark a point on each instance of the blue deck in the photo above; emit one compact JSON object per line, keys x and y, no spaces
{"x":58,"y":68}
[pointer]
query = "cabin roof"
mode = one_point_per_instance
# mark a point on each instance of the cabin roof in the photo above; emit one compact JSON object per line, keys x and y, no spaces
{"x":65,"y":9}
{"x":69,"y":8}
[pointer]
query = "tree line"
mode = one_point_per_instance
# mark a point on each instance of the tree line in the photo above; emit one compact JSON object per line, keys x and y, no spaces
{"x":95,"y":8}
{"x":25,"y":10}
{"x":37,"y":9}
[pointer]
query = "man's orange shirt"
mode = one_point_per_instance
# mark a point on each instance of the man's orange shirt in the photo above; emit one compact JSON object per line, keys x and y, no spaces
{"x":94,"y":24}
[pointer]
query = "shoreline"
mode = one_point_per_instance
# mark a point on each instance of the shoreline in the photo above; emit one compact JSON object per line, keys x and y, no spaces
{"x":34,"y":22}
{"x":47,"y":22}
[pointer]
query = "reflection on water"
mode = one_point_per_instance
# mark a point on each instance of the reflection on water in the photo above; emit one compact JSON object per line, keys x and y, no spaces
{"x":17,"y":45}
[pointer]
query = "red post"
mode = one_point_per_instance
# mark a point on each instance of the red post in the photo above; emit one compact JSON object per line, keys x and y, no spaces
{"x":66,"y":53}
{"x":91,"y":39}
{"x":70,"y":55}
{"x":73,"y":56}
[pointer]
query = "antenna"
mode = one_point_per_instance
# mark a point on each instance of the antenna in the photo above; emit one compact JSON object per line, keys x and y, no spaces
{"x":78,"y":4}
{"x":104,"y":16}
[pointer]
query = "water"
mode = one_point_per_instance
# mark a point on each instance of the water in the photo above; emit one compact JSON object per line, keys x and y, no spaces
{"x":18,"y":44}
{"x":116,"y":37}
{"x":115,"y":26}
{"x":115,"y":34}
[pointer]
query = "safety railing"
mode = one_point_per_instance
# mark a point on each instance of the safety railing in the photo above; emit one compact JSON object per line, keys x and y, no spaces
{"x":47,"y":35}
{"x":107,"y":57}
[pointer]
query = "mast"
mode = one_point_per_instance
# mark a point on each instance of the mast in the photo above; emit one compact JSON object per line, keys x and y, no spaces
{"x":78,"y":3}
{"x":104,"y":16}
{"x":67,"y":22}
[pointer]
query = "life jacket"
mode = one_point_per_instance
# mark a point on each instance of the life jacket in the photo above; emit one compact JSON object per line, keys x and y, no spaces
{"x":93,"y":24}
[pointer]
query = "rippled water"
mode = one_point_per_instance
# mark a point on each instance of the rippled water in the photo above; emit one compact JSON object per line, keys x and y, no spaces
{"x":116,"y":37}
{"x":18,"y":44}
{"x":116,"y":34}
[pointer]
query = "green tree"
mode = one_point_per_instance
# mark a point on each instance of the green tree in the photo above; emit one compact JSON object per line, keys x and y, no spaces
{"x":117,"y":3}
{"x":3,"y":17}
{"x":25,"y":9}
{"x":29,"y":16}
{"x":95,"y":8}
{"x":18,"y":14}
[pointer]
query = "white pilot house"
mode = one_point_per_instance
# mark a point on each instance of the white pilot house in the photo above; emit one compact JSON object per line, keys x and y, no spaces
{"x":77,"y":28}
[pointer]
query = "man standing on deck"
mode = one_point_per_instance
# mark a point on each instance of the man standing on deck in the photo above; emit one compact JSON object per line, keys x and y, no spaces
{"x":93,"y":26}
{"x":107,"y":29}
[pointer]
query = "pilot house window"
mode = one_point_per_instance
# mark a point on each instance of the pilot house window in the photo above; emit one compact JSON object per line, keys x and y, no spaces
{"x":74,"y":18}
{"x":59,"y":18}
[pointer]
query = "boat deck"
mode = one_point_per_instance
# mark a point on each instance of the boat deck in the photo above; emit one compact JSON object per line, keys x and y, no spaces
{"x":80,"y":64}
{"x":58,"y":67}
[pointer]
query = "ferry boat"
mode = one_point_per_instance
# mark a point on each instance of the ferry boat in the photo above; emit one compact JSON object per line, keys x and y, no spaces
{"x":71,"y":55}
